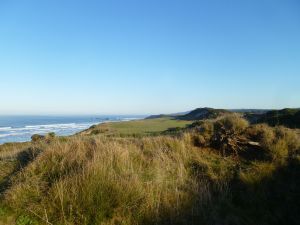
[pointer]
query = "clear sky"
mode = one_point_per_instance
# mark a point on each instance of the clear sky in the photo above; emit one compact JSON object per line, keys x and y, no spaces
{"x":147,"y":56}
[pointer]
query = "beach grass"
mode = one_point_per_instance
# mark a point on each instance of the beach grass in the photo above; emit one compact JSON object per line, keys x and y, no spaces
{"x":194,"y":177}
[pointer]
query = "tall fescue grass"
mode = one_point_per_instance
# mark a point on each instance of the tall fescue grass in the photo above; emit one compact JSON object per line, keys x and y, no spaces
{"x":96,"y":180}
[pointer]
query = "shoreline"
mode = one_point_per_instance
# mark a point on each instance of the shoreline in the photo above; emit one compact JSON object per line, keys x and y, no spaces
{"x":76,"y":132}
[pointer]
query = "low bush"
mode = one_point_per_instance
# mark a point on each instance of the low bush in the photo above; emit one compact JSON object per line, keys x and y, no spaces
{"x":51,"y":135}
{"x":232,"y":124}
{"x":37,"y":138}
{"x":278,"y":142}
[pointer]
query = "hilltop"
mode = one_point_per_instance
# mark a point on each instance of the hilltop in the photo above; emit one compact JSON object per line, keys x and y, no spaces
{"x":172,"y":115}
{"x":196,"y":114}
{"x":204,"y":113}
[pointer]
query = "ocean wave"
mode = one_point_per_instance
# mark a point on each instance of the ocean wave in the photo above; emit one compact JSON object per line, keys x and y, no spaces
{"x":47,"y":127}
{"x":67,"y":125}
{"x":5,"y":128}
{"x":130,"y":118}
{"x":42,"y":129}
{"x":10,"y":135}
{"x":23,"y":133}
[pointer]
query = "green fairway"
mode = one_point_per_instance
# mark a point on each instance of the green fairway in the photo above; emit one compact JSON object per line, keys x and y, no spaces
{"x":148,"y":126}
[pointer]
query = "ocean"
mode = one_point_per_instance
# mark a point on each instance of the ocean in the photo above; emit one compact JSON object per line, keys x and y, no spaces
{"x":21,"y":128}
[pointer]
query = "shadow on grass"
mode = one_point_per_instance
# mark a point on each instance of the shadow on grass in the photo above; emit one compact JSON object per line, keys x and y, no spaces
{"x":23,"y":158}
{"x":274,"y":200}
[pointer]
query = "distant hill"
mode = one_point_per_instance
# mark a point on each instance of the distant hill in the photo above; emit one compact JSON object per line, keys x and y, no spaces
{"x":157,"y":116}
{"x":197,"y":114}
{"x":203,"y":113}
{"x":286,"y":117}
{"x":256,"y":111}
{"x":167,"y":115}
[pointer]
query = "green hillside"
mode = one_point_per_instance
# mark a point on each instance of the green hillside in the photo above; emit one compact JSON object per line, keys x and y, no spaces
{"x":138,"y":127}
{"x":286,"y":117}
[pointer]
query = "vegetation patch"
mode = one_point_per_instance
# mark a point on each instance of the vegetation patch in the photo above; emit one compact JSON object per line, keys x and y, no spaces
{"x":216,"y":171}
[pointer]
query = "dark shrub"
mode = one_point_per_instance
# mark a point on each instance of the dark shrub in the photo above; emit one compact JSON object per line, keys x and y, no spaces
{"x":93,"y":127}
{"x":37,"y":137}
{"x":51,"y":135}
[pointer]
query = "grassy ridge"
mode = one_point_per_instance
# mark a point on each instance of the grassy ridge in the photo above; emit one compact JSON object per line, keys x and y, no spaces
{"x":286,"y":117}
{"x":206,"y":174}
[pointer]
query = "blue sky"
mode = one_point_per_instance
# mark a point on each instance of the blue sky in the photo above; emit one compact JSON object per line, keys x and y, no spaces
{"x":144,"y":57}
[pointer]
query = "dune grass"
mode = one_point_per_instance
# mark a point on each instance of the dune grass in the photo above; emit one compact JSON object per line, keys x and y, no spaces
{"x":101,"y":179}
